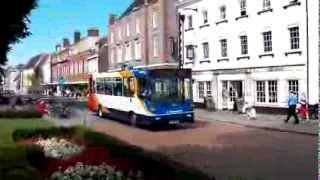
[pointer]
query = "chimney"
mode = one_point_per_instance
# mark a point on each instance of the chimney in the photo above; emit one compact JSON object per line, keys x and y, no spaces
{"x":66,"y":42}
{"x":112,"y":18}
{"x":93,"y":32}
{"x":77,"y":36}
{"x":58,"y":47}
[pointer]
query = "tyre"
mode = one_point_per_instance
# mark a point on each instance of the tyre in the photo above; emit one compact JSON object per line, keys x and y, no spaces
{"x":133,"y":119}
{"x":100,"y":112}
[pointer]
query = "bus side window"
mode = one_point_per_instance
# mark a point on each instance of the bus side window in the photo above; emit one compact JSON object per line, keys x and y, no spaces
{"x":126,"y":89}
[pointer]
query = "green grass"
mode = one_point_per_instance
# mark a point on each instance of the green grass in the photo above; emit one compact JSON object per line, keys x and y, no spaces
{"x":7,"y":126}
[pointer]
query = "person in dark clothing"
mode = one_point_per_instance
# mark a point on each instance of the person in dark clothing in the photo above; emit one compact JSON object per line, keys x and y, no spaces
{"x":292,"y":104}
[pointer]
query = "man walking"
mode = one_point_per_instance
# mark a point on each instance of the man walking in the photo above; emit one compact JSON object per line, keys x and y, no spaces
{"x":292,"y":103}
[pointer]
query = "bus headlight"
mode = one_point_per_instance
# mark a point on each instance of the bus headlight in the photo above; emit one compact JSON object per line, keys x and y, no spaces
{"x":152,"y":109}
{"x":189,"y":115}
{"x":158,"y":118}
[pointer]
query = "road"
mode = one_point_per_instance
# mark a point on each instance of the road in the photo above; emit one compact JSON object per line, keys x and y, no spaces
{"x":220,"y":149}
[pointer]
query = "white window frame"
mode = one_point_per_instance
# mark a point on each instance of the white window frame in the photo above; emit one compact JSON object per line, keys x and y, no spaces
{"x":243,"y":7}
{"x":224,"y":47}
{"x":190,"y":22}
{"x":223,"y":12}
{"x":120,"y":54}
{"x":267,"y":41}
{"x":190,"y":52}
{"x":294,"y":37}
{"x":266,"y":4}
{"x":128,"y":51}
{"x":293,"y":85}
{"x":137,"y":49}
{"x":155,"y":19}
{"x":205,"y":16}
{"x":261,"y":94}
{"x":244,"y":44}
{"x":156,"y":46}
{"x":268,"y":94}
{"x":128,"y":29}
{"x":201,"y":89}
{"x":206,"y":51}
{"x":137,"y":25}
{"x":208,"y":89}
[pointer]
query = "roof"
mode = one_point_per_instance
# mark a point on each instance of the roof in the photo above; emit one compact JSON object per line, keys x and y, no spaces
{"x":35,"y":61}
{"x":133,"y":5}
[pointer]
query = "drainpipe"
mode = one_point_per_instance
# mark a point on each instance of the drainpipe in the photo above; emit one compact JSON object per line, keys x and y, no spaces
{"x":307,"y":39}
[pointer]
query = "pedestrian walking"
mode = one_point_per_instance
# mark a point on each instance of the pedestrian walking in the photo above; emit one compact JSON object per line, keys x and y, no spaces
{"x":292,"y":104}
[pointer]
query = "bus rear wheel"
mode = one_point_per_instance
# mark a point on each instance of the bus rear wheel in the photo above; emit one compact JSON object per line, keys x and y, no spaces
{"x":133,"y":119}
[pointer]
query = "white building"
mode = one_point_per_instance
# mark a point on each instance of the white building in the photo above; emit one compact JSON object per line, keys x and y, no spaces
{"x":255,"y":49}
{"x":9,"y":81}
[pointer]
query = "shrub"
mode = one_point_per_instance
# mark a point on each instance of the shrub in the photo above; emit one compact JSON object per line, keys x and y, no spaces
{"x":26,"y":173}
{"x":30,"y":113}
{"x":35,"y":155}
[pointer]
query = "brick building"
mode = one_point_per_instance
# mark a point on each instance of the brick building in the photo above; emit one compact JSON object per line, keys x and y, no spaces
{"x":70,"y":63}
{"x":143,"y":36}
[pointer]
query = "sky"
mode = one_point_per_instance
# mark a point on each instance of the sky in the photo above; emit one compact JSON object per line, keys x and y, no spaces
{"x":55,"y":19}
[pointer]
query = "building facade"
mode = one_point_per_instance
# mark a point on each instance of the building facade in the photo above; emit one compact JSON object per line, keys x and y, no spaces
{"x":70,"y":63}
{"x":258,"y":50}
{"x":143,"y":36}
{"x":9,"y":81}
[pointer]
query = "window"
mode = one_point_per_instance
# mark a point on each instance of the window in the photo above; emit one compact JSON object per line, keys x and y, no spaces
{"x":155,"y":19}
{"x":117,"y":86}
{"x":293,"y":86}
{"x":205,"y":17}
{"x":243,"y":7}
{"x":128,"y":52}
{"x":120,"y":54}
{"x":119,"y":33}
{"x":190,"y":52}
{"x":209,"y":92}
{"x":223,"y":12}
{"x":201,"y":89}
{"x":273,"y":91}
{"x":137,"y":25}
{"x":266,"y":4}
{"x":261,"y":91}
{"x":190,"y":25}
{"x":244,"y":44}
{"x":127,"y":92}
{"x":111,"y":37}
{"x":224,"y":49}
{"x":205,"y":50}
{"x":137,"y":50}
{"x":128,"y":29}
{"x":294,"y":37}
{"x":267,"y":41}
{"x":156,"y":46}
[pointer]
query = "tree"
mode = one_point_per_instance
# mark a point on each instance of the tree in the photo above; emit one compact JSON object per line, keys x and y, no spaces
{"x":14,"y":24}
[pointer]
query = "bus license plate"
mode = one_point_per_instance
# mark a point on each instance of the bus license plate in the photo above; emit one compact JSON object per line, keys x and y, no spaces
{"x":173,"y":122}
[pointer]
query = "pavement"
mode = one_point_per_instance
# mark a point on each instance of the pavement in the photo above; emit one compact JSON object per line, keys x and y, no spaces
{"x":273,"y":122}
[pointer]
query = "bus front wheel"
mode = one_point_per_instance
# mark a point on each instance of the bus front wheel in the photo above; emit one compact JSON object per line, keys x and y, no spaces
{"x":133,"y":119}
{"x":100,"y":112}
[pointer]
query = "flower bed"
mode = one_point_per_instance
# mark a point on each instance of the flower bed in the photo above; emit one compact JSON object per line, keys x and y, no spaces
{"x":99,"y":172}
{"x":59,"y":148}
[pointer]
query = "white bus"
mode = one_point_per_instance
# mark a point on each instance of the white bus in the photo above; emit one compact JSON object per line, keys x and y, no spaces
{"x":143,"y":97}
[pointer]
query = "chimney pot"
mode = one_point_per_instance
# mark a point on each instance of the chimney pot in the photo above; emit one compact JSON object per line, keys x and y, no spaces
{"x":77,"y":36}
{"x":66,"y":42}
{"x":93,"y":32}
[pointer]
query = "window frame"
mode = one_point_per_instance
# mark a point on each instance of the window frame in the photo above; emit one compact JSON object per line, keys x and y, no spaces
{"x":224,"y":47}
{"x":206,"y":50}
{"x":223,"y":12}
{"x":243,"y":8}
{"x":267,"y":41}
{"x":294,"y":33}
{"x":244,"y":44}
{"x":205,"y":16}
{"x":201,"y":89}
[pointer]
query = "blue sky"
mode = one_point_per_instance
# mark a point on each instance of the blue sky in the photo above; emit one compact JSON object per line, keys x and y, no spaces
{"x":55,"y":19}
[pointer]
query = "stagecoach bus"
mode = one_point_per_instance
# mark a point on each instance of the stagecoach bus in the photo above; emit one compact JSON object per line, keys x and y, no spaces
{"x":143,"y":97}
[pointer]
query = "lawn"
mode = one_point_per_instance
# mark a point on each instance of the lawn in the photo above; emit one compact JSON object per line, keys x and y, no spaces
{"x":7,"y":126}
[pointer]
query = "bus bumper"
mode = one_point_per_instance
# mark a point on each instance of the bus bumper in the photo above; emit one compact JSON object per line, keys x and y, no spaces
{"x":172,"y":119}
